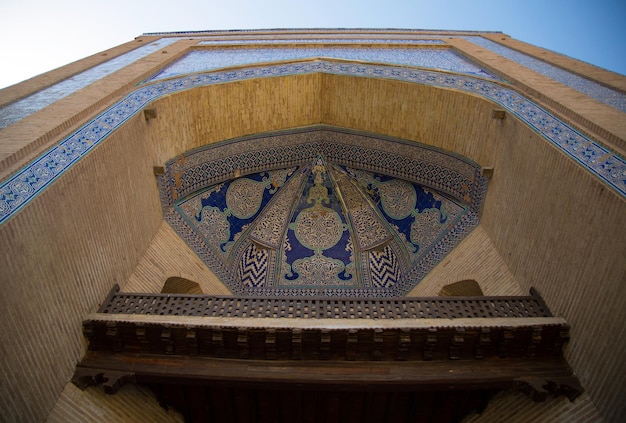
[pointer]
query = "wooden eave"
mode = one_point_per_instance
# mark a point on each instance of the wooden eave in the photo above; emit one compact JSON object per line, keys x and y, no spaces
{"x":462,"y":360}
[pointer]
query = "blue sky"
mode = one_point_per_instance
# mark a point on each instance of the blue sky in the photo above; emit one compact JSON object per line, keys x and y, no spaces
{"x":40,"y":35}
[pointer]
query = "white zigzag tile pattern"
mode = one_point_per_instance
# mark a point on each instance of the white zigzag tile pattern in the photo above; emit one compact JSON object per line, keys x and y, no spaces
{"x":384,"y":268}
{"x":253,"y":267}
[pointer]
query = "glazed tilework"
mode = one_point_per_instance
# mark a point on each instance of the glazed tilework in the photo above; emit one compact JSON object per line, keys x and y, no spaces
{"x":426,"y":166}
{"x":27,"y":183}
{"x":206,"y":60}
{"x":588,"y":87}
{"x":324,"y":40}
{"x":336,"y":31}
{"x":18,"y":110}
{"x":326,"y":226}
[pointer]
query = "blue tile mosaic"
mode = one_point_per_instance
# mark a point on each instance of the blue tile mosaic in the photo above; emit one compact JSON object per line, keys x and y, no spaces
{"x":297,"y":32}
{"x":352,"y":214}
{"x":206,"y":60}
{"x":325,"y":41}
{"x":18,"y":110}
{"x":590,"y":88}
{"x":457,"y":177}
{"x":24,"y":185}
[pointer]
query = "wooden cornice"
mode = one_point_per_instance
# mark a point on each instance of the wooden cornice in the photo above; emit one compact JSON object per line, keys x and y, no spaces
{"x":209,"y":363}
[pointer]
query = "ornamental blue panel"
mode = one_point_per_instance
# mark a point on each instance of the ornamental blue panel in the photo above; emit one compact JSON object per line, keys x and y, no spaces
{"x":586,"y":86}
{"x":321,"y":227}
{"x":325,"y":41}
{"x":206,"y":60}
{"x":18,"y":110}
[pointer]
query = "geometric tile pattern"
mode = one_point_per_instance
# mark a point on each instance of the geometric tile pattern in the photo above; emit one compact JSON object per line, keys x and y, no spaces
{"x":586,"y":86}
{"x":18,"y":190}
{"x":302,"y":32}
{"x":318,"y":221}
{"x":385,"y":268}
{"x":18,"y":110}
{"x":253,"y":266}
{"x":450,"y":174}
{"x":325,"y":41}
{"x":212,"y":59}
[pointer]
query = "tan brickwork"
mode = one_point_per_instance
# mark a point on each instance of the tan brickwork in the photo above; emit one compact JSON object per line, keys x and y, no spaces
{"x":587,"y":70}
{"x":602,"y":122}
{"x":515,"y":407}
{"x":560,"y":230}
{"x":29,"y":137}
{"x":131,"y":404}
{"x":60,"y":257}
{"x":168,"y":256}
{"x":475,"y":258}
{"x":39,"y":82}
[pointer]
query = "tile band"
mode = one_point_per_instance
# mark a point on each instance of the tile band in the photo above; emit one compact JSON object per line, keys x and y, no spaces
{"x":25,"y":185}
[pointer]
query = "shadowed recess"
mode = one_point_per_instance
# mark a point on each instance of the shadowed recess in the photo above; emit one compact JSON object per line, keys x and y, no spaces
{"x":178,"y":285}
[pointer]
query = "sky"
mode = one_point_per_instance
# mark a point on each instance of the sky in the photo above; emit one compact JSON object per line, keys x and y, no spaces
{"x":41,"y":35}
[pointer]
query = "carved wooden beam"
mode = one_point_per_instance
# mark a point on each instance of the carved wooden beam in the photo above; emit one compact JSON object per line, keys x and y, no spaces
{"x":537,"y":378}
{"x":111,"y":380}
